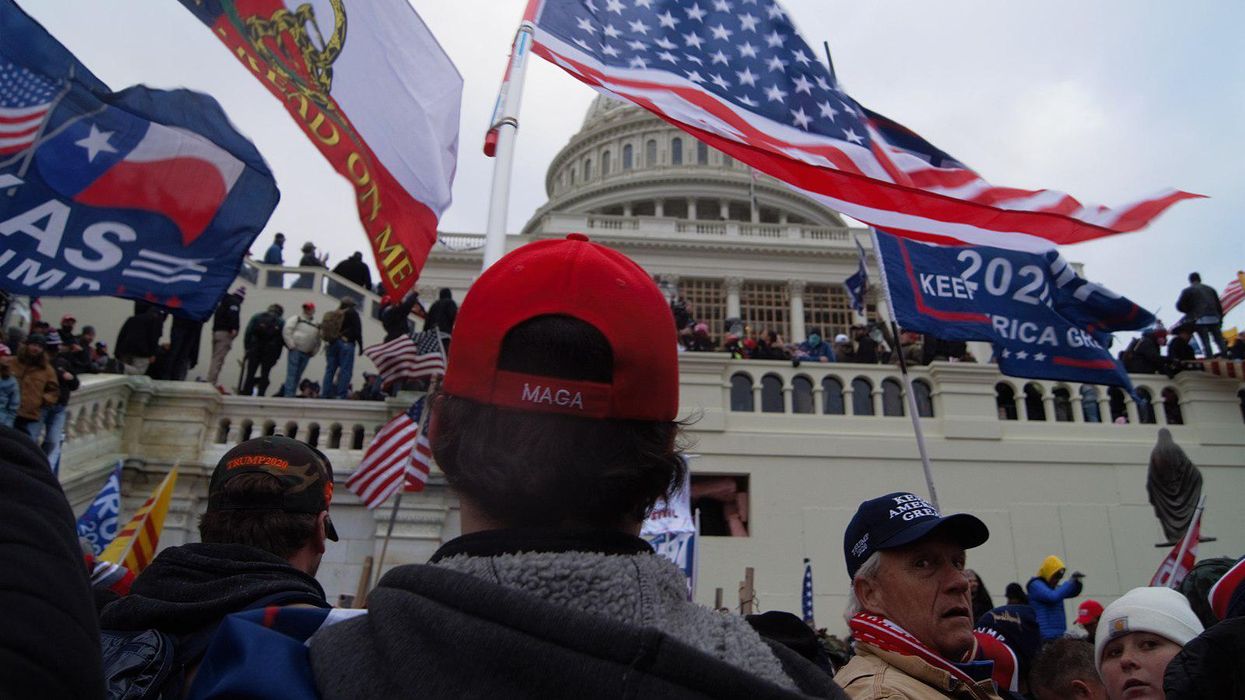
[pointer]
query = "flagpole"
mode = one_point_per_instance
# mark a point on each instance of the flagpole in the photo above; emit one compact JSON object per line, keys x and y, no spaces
{"x":499,"y":141}
{"x":384,"y":548}
{"x":1184,"y":541}
{"x":907,"y":379}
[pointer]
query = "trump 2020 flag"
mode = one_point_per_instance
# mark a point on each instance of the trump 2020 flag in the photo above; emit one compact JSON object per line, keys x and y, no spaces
{"x":1045,"y":321}
{"x":374,"y":92}
{"x":98,"y":525}
{"x":737,"y":75}
{"x":671,"y":530}
{"x":806,"y":593}
{"x":146,"y":194}
{"x":857,"y":286}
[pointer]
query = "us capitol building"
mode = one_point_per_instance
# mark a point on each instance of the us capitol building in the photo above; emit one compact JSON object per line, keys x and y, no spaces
{"x":782,"y":454}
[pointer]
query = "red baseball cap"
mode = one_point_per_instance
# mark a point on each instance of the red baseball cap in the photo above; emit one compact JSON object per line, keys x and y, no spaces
{"x":586,"y":281}
{"x":1089,"y":612}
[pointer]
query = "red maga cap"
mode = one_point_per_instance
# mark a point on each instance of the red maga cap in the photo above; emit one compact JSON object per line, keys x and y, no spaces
{"x":586,"y":281}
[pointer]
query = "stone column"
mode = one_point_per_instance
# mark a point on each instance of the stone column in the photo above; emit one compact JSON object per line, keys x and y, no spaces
{"x":796,"y":289}
{"x":691,"y":208}
{"x":733,"y":285}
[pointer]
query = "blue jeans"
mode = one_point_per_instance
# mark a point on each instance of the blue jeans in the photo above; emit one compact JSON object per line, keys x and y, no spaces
{"x":339,"y":362}
{"x":54,"y":419}
{"x":294,"y":371}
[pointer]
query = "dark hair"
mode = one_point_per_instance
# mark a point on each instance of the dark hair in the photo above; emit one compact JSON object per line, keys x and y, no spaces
{"x":1060,"y":662}
{"x":1195,"y":277}
{"x":274,"y":531}
{"x":544,"y":469}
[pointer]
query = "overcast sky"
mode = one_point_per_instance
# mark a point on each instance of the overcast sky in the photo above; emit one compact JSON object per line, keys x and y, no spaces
{"x":1106,"y":100}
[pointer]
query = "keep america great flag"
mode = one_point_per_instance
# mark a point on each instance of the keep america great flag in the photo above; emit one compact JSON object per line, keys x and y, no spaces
{"x":736,"y":75}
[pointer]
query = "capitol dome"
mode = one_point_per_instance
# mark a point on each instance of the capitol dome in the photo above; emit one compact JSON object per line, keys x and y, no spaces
{"x":627,"y":162}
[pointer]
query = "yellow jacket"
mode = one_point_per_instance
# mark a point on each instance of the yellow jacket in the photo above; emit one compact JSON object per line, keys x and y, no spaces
{"x":873,"y":674}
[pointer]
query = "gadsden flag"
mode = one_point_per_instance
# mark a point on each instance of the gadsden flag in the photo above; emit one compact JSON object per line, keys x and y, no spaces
{"x":368,"y":83}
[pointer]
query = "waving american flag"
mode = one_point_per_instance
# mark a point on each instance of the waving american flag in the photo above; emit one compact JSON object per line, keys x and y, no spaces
{"x":737,"y":75}
{"x":398,"y":457}
{"x":25,"y":99}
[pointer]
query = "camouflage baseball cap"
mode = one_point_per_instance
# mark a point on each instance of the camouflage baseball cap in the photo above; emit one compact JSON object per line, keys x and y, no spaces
{"x":304,"y":473}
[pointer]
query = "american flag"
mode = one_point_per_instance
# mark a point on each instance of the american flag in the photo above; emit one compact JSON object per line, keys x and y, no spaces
{"x":806,"y":597}
{"x":737,"y":75}
{"x":408,"y":357}
{"x":25,"y":100}
{"x":1171,"y":573}
{"x":1233,"y":294}
{"x":398,"y":456}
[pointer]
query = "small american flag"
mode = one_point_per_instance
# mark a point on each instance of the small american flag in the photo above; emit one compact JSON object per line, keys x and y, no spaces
{"x":806,"y":597}
{"x":1233,"y":294}
{"x":25,"y":100}
{"x":736,"y":75}
{"x":408,"y":357}
{"x":1180,"y":560}
{"x":398,"y":456}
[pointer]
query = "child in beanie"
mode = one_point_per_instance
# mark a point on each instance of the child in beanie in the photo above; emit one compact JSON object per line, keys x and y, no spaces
{"x":1137,"y":636}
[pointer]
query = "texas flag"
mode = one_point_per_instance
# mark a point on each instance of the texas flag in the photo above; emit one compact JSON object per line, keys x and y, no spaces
{"x":115,"y":159}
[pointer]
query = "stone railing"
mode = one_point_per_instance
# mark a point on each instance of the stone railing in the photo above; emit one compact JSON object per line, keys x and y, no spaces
{"x":659,"y":227}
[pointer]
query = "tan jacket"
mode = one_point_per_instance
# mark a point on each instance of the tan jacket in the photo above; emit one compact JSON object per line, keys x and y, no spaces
{"x":873,"y":674}
{"x":39,"y":386}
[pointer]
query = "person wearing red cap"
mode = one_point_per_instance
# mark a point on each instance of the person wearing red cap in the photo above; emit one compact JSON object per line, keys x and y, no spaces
{"x":1087,"y":617}
{"x":556,"y":429}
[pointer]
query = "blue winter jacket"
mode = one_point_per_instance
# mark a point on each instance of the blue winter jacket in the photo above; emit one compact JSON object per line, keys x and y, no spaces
{"x":10,"y":400}
{"x":1047,"y":602}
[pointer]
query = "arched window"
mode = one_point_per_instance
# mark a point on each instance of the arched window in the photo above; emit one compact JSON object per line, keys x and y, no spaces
{"x":924,"y":398}
{"x":1115,"y":400}
{"x":650,"y":153}
{"x":1171,"y":407}
{"x":771,"y":394}
{"x":587,"y":169}
{"x":702,"y":153}
{"x":741,"y":393}
{"x":676,"y":151}
{"x":832,"y":397}
{"x":627,"y":157}
{"x":802,"y":395}
{"x":862,"y":397}
{"x":1145,"y":406}
{"x":1090,"y":410}
{"x":1063,"y":404}
{"x":605,"y":163}
{"x":892,"y":398}
{"x":1005,"y":399}
{"x":1035,"y":409}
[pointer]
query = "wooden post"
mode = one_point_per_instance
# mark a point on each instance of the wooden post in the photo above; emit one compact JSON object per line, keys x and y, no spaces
{"x":717,"y":598}
{"x":747,"y":592}
{"x":365,"y":577}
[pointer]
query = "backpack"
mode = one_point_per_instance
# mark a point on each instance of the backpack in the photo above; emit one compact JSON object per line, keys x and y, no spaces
{"x":1128,"y":355}
{"x":331,"y":326}
{"x":267,"y":327}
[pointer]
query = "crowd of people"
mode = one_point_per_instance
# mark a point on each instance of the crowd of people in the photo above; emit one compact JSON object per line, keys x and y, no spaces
{"x":549,"y":591}
{"x":1203,"y":318}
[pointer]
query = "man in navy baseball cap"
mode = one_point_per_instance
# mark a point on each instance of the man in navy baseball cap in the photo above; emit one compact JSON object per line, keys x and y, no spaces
{"x":909,"y":609}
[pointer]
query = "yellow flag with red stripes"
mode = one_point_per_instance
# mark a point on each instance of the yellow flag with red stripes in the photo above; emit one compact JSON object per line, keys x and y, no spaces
{"x":135,"y":545}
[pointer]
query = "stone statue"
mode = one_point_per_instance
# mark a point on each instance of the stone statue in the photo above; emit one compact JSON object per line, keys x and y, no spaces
{"x":1174,"y":485}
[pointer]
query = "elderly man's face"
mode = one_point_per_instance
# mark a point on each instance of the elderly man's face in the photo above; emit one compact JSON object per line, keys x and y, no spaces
{"x":922,"y":588}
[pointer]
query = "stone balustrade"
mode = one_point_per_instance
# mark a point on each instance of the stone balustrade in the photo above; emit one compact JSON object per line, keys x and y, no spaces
{"x":663,"y":227}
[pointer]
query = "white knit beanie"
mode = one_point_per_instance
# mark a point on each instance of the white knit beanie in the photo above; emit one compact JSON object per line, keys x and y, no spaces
{"x":1160,"y":611}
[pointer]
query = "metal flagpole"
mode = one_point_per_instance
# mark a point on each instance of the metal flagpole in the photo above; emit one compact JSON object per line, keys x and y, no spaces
{"x":384,"y":548}
{"x":907,"y":379}
{"x":1184,"y":541}
{"x":501,"y":137}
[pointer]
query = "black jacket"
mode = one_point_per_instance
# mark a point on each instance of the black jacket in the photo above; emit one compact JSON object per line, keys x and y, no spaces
{"x":1210,"y":666}
{"x":460,"y":636}
{"x":441,"y":315}
{"x":192,"y":586}
{"x":352,"y":327}
{"x":1180,"y":350}
{"x":356,"y":271}
{"x":140,"y":335}
{"x":395,"y":318}
{"x":228,"y":313}
{"x":867,"y":350}
{"x":49,"y":641}
{"x":1198,"y":300}
{"x":64,"y":363}
{"x":1147,"y":358}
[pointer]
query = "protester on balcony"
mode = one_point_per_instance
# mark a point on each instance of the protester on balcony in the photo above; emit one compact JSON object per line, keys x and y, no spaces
{"x":912,"y":347}
{"x":53,"y":416}
{"x":699,"y":340}
{"x":770,"y":346}
{"x":1138,"y":635}
{"x":843,"y":350}
{"x":262,"y":538}
{"x":395,"y":317}
{"x":909,"y":607}
{"x":67,"y":333}
{"x":339,"y":354}
{"x":354,"y":269}
{"x":10,"y":395}
{"x":37,"y":381}
{"x":866,"y":346}
{"x":139,"y":339}
{"x":441,"y":315}
{"x":1064,"y":670}
{"x":1202,"y":308}
{"x":309,"y":259}
{"x":225,"y":325}
{"x":1144,"y":355}
{"x":815,"y":349}
{"x":273,"y":256}
{"x":81,"y":360}
{"x":262,"y":342}
{"x":1237,"y":351}
{"x":183,"y":347}
{"x":1180,"y":349}
{"x":301,"y":335}
{"x":550,"y":587}
{"x":1047,"y":595}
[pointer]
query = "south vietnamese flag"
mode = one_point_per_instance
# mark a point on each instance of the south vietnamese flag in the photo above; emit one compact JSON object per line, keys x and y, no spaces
{"x":374,"y":92}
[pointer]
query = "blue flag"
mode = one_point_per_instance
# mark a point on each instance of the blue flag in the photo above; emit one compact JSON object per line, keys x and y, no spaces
{"x":1045,"y":321}
{"x":806,"y":597}
{"x":857,"y":286}
{"x":145,"y":194}
{"x":98,"y":525}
